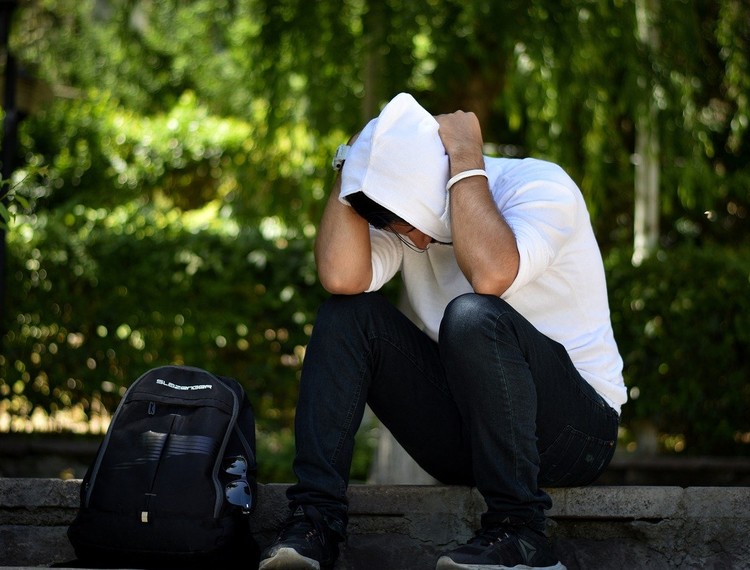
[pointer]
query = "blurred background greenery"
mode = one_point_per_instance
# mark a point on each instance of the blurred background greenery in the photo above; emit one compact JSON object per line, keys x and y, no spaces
{"x":165,"y":164}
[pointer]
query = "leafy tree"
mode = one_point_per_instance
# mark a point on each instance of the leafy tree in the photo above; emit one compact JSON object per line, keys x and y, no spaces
{"x":684,"y":345}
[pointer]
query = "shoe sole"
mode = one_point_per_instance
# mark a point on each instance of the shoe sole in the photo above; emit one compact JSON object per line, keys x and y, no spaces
{"x":288,"y":559}
{"x":447,"y":563}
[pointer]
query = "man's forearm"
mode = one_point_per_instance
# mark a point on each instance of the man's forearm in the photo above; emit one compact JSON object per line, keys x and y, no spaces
{"x":484,"y":244}
{"x":342,"y":247}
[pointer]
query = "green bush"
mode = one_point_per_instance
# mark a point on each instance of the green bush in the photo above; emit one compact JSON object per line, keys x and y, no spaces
{"x":136,"y":241}
{"x":97,"y":298}
{"x":95,"y":152}
{"x":682,"y":322}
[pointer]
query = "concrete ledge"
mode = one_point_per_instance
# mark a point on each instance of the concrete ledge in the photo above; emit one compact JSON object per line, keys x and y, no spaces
{"x":405,"y":527}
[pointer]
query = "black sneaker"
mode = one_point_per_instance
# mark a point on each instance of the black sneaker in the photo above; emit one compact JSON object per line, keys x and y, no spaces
{"x":502,"y":548}
{"x":304,"y":542}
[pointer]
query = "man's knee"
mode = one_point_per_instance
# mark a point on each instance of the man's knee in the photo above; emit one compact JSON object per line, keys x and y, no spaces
{"x":468,"y":313}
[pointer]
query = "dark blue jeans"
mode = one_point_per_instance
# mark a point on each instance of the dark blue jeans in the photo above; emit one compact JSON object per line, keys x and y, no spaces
{"x":495,"y":404}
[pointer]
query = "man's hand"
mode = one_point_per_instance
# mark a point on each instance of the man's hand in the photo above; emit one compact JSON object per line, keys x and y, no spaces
{"x":462,"y":138}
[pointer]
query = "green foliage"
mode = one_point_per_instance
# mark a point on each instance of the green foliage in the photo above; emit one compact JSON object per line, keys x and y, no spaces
{"x":13,"y":199}
{"x":566,"y":80}
{"x":166,"y":203}
{"x":682,"y":322}
{"x":96,"y":152}
{"x":180,"y":260}
{"x":99,"y":297}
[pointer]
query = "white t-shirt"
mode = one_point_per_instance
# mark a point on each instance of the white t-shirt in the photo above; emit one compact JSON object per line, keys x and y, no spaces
{"x":560,"y":287}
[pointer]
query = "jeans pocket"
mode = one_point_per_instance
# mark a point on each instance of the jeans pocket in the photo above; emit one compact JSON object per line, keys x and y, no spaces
{"x":574,"y":459}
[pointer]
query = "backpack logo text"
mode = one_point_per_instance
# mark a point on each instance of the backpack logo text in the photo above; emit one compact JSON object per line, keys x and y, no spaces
{"x":182,"y":387}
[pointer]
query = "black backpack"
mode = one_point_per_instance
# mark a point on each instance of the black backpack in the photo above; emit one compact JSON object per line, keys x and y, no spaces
{"x":173,"y":483}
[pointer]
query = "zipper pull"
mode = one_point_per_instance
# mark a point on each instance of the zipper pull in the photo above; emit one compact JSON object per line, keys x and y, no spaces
{"x":146,"y":510}
{"x":151,"y":408}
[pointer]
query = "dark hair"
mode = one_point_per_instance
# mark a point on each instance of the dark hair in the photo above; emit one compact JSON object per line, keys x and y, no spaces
{"x":377,"y":216}
{"x":380,"y":218}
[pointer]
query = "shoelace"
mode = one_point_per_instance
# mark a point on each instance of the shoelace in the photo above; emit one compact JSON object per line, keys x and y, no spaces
{"x":487,"y":536}
{"x":319,"y":526}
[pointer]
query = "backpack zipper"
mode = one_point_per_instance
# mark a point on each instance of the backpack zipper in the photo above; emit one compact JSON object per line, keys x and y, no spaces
{"x":151,"y":495}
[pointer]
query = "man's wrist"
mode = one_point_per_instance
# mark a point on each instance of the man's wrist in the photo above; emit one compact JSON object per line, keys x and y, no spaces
{"x":465,"y":174}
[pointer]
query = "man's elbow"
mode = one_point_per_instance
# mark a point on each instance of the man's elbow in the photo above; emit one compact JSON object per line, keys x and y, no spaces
{"x":338,"y":284}
{"x":491,"y":283}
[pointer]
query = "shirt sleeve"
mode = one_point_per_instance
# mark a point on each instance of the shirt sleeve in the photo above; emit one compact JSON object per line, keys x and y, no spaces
{"x":542,"y":214}
{"x":387,"y":255}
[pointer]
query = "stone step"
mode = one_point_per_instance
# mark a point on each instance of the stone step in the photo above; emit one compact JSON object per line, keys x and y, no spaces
{"x":406,"y":526}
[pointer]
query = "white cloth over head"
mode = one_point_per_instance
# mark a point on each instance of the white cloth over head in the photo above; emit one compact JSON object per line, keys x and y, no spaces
{"x":399,"y":161}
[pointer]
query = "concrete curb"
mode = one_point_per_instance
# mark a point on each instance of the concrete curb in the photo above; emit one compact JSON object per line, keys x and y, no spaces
{"x":406,"y":527}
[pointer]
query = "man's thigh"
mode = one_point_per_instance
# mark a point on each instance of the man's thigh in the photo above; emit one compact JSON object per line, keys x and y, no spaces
{"x":409,"y":395}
